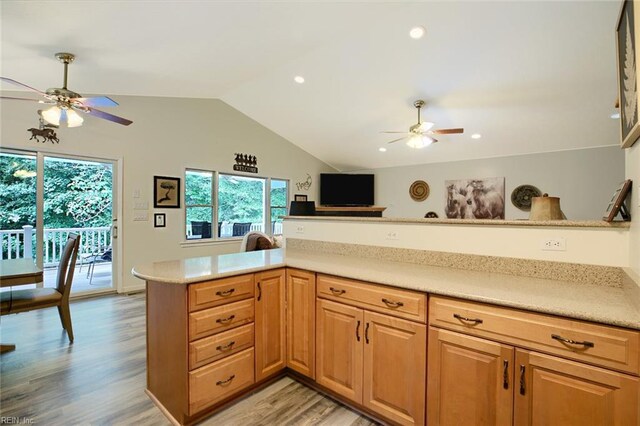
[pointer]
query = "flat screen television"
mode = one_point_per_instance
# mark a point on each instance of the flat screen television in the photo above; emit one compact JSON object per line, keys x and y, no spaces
{"x":341,"y":189}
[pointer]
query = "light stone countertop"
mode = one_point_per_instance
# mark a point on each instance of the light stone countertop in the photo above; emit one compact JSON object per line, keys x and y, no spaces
{"x":607,"y":305}
{"x":495,"y":222}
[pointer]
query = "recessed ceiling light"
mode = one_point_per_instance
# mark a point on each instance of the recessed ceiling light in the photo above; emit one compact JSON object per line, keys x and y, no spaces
{"x":417,"y":32}
{"x":382,"y":149}
{"x":298,"y":79}
{"x":476,"y":136}
{"x":615,"y":115}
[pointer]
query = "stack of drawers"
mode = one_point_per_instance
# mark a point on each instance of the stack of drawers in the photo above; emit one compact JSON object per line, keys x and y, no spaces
{"x":221,"y":340}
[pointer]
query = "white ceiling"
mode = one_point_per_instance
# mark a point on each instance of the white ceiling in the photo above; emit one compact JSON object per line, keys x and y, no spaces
{"x":529,"y":76}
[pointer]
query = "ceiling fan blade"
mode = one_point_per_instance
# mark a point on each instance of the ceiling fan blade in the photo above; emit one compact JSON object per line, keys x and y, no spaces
{"x":447,"y":131}
{"x":20,"y":99}
{"x":396,"y":140}
{"x":17,"y":83}
{"x":393,"y":132}
{"x":98,"y":101}
{"x":105,"y":115}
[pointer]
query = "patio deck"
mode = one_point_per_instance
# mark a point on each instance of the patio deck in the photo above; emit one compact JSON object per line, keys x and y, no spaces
{"x":101,"y":278}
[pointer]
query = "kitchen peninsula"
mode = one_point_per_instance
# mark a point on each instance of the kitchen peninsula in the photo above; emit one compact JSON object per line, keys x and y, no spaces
{"x":356,"y":328}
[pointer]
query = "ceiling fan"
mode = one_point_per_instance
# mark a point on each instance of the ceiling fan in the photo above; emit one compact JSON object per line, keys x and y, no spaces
{"x":419,"y":135}
{"x":66,"y":102}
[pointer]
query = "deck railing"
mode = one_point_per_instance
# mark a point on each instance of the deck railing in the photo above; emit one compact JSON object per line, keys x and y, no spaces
{"x":21,"y":243}
{"x":226,"y":229}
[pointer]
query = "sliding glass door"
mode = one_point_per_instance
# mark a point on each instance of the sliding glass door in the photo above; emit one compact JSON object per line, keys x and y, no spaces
{"x":44,"y":198}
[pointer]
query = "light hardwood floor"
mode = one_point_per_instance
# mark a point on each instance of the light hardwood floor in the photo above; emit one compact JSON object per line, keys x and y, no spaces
{"x":100,"y":379}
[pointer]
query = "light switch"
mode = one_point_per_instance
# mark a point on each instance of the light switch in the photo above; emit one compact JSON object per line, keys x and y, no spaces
{"x":140,"y":215}
{"x":136,"y":193}
{"x":141,"y":205}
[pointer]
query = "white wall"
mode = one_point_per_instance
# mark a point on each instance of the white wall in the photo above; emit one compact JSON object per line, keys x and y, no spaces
{"x":167,"y":135}
{"x":594,"y":246}
{"x":583,"y":179}
{"x":633,"y":172}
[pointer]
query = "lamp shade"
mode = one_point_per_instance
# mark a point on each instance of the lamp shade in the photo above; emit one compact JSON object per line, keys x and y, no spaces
{"x":546,"y":208}
{"x":302,"y":208}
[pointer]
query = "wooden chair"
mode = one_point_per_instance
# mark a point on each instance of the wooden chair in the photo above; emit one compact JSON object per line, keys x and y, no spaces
{"x":13,"y":302}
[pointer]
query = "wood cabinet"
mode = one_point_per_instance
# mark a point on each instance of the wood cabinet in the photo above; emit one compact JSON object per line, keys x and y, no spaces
{"x":374,"y":360}
{"x":553,"y":391}
{"x":470,"y":380}
{"x":505,"y":380}
{"x":301,"y":321}
{"x":339,"y":349}
{"x":270,"y":323}
{"x":394,"y":368}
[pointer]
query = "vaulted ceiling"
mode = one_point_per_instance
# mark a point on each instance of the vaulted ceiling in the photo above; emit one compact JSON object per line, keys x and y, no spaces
{"x":529,"y":76}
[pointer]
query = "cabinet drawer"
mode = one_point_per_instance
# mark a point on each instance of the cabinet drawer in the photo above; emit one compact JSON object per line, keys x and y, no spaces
{"x":401,"y":303}
{"x":215,"y":320}
{"x":607,"y":346}
{"x":215,"y":382}
{"x":214,"y":293}
{"x":220,"y":345}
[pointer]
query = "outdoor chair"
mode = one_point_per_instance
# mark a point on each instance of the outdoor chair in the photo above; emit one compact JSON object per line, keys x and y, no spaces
{"x":239,"y":229}
{"x":201,"y":228}
{"x":105,"y":256}
{"x":13,"y":302}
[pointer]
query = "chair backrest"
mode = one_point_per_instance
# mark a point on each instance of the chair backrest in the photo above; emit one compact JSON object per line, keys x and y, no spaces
{"x":67,"y":265}
{"x":201,"y":228}
{"x":241,"y":228}
{"x":245,"y":240}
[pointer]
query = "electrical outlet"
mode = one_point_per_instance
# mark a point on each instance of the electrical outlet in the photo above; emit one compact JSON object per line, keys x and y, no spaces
{"x":299,"y":229}
{"x":554,"y":244}
{"x":391,"y":235}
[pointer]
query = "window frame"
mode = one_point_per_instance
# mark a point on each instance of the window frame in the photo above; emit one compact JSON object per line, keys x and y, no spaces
{"x":214,"y":210}
{"x":285,"y":207}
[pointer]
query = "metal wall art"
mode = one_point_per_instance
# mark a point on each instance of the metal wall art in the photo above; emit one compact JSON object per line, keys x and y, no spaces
{"x":304,"y":185}
{"x":45,"y":131}
{"x":419,"y":190}
{"x":246,"y":163}
{"x":522,"y":195}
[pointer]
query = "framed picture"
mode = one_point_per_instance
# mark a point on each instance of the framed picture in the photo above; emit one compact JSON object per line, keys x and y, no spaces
{"x":166,"y":192}
{"x":159,"y":220}
{"x":627,"y":75}
{"x":299,"y":197}
{"x":616,"y":204}
{"x":474,"y":198}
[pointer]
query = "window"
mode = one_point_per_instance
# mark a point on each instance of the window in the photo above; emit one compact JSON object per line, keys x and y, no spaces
{"x":198,"y":201}
{"x":241,"y":205}
{"x":279,"y":200}
{"x":221,"y":205}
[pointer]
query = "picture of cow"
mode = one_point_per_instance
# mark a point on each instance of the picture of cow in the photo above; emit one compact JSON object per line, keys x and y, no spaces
{"x":475,"y":198}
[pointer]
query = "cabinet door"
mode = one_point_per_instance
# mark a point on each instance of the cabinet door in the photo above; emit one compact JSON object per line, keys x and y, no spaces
{"x":470,"y":380}
{"x":554,"y":391}
{"x":301,"y":321}
{"x":339,"y":348}
{"x":270,"y":323}
{"x":395,"y":363}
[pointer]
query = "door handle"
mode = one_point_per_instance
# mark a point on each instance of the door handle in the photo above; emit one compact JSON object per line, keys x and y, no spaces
{"x":358,"y":331}
{"x":259,"y":291}
{"x":366,"y":334}
{"x":522,"y":387}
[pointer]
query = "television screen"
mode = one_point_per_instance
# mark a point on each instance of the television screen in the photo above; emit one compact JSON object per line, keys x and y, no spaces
{"x":346,"y":190}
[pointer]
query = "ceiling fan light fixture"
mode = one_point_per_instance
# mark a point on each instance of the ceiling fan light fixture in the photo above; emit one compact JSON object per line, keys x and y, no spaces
{"x":419,"y":141}
{"x":73,"y":118}
{"x":52,"y":115}
{"x":425,"y":125}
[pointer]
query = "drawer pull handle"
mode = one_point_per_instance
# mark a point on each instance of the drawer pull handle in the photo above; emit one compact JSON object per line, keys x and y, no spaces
{"x":337,"y":291}
{"x":505,"y":374}
{"x":572,"y":342}
{"x":225,"y":320}
{"x":226,"y":292}
{"x":522,"y":388}
{"x":225,"y":382}
{"x":225,"y":347}
{"x":358,"y":331}
{"x":473,"y":320}
{"x":391,"y":303}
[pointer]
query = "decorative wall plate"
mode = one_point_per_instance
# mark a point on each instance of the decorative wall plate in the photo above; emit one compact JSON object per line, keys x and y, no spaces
{"x":419,"y":190}
{"x":522,"y":195}
{"x":431,"y":215}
